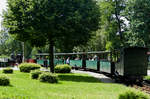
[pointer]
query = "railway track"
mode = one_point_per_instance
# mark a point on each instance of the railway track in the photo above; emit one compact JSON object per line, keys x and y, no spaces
{"x":145,"y":87}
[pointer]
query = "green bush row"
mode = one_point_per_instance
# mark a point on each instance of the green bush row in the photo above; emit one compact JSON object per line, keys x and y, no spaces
{"x":35,"y":74}
{"x":49,"y":77}
{"x":27,"y":67}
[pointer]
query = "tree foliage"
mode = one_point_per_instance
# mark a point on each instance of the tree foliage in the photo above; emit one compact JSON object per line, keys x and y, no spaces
{"x":8,"y":45}
{"x":108,"y":23}
{"x":96,"y":43}
{"x":113,"y":25}
{"x":137,"y":13}
{"x":125,"y":23}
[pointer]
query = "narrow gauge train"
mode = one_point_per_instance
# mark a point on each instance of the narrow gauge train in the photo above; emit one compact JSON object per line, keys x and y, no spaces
{"x":5,"y":62}
{"x":129,"y":64}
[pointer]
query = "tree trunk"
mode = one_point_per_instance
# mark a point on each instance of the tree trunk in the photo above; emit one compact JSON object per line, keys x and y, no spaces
{"x":23,"y":52}
{"x":51,"y":58}
{"x":118,"y":19}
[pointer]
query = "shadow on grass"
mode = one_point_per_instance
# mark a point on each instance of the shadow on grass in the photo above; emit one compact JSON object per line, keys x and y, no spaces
{"x":107,"y":80}
{"x":6,"y":86}
{"x":77,"y":78}
{"x":10,"y":85}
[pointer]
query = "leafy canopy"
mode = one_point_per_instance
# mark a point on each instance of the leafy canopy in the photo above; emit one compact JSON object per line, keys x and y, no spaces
{"x":66,"y":22}
{"x":137,"y":13}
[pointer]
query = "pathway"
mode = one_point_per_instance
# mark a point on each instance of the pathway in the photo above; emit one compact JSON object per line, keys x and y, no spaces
{"x":101,"y":77}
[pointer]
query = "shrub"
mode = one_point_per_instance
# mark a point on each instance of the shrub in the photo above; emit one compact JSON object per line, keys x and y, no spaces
{"x":48,"y":77}
{"x":63,"y":68}
{"x":35,"y":74}
{"x":27,"y":67}
{"x":7,"y":70}
{"x":133,"y":95}
{"x":4,"y":81}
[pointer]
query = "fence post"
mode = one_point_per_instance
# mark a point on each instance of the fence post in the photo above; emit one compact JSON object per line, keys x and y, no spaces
{"x":112,"y":63}
{"x":84,"y":61}
{"x":98,"y":62}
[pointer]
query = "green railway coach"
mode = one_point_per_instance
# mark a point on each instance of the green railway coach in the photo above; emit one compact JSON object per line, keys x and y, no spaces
{"x":105,"y":66}
{"x":56,"y":62}
{"x":76,"y":63}
{"x":91,"y":64}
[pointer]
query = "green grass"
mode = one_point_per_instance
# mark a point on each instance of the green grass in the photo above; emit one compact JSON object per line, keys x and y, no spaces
{"x":147,"y":77}
{"x":70,"y":86}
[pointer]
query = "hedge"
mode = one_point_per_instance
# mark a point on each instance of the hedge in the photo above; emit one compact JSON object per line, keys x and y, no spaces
{"x":27,"y":67}
{"x":4,"y":80}
{"x":35,"y":74}
{"x":63,"y":68}
{"x":48,"y":77}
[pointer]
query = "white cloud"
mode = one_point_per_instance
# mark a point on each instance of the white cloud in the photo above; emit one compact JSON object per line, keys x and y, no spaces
{"x":2,"y":7}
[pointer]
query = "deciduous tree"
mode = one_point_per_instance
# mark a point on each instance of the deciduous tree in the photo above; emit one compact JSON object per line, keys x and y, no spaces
{"x":41,"y":22}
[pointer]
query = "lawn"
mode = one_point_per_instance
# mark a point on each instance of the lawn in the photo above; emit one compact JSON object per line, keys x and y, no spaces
{"x":70,"y":86}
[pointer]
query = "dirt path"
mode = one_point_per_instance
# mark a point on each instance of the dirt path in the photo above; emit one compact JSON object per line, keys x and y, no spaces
{"x":101,"y":77}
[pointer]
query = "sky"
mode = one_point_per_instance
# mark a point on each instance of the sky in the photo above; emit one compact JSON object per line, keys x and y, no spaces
{"x":2,"y":6}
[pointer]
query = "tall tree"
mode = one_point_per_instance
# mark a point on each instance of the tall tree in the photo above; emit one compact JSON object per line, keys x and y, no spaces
{"x":41,"y":22}
{"x":112,"y":23}
{"x":119,"y":8}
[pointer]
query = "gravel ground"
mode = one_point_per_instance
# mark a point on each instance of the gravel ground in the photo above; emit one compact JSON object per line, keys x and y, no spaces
{"x":14,"y":68}
{"x":148,"y":72}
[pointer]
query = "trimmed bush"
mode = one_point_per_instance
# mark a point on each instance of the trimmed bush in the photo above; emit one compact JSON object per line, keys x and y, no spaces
{"x":63,"y":68}
{"x":48,"y":77}
{"x":8,"y":71}
{"x":4,"y":80}
{"x":35,"y":74}
{"x":133,"y":95}
{"x":27,"y":67}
